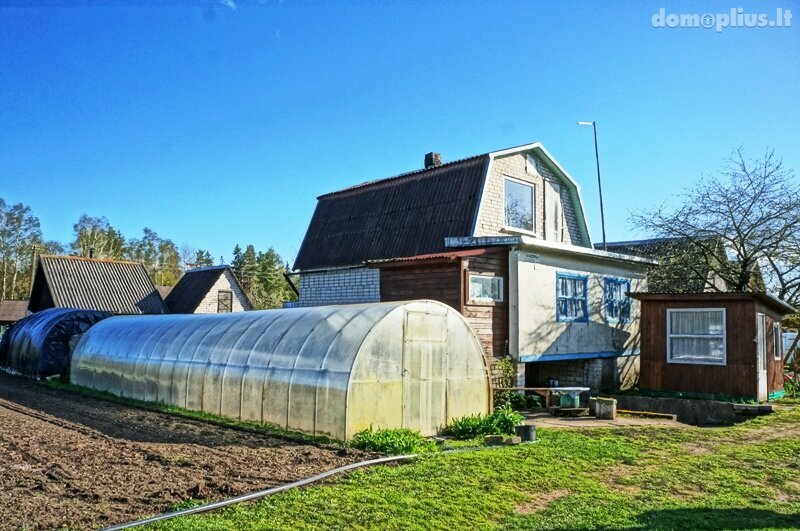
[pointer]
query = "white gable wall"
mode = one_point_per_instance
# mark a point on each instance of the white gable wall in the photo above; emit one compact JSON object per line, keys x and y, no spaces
{"x":225,"y":282}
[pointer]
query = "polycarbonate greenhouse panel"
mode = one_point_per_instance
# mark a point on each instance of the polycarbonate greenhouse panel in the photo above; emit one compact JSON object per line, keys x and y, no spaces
{"x":330,"y":370}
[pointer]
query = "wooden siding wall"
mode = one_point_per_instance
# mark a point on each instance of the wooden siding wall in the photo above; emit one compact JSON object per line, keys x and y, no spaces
{"x":737,"y":378}
{"x":489,"y":320}
{"x":436,"y":281}
{"x":447,"y":281}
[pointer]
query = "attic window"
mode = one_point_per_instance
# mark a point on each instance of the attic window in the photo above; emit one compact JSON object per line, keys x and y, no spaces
{"x":224,"y":301}
{"x":519,"y":205}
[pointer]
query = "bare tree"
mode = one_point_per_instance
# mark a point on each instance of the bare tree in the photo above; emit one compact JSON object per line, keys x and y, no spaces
{"x":752,"y":210}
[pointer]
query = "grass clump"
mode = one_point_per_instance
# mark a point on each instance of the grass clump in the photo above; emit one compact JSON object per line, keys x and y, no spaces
{"x":392,"y":441}
{"x":501,"y":422}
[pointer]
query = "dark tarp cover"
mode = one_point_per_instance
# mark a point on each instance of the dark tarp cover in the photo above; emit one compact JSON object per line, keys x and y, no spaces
{"x":39,"y":344}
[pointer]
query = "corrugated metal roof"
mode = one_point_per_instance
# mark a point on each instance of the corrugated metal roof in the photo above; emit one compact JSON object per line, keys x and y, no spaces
{"x":93,"y":284}
{"x":765,"y":298}
{"x":432,"y":256}
{"x":193,"y":286}
{"x":406,"y":215}
{"x":12,"y":310}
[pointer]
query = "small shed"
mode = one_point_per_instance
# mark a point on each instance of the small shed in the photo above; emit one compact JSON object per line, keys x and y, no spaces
{"x":11,"y":311}
{"x":712,"y":345}
{"x":213,"y":289}
{"x":326,"y":370}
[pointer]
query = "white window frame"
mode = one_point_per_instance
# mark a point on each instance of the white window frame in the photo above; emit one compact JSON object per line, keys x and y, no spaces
{"x":724,"y":336}
{"x":511,"y":228}
{"x":483,"y":300}
{"x":778,"y":340}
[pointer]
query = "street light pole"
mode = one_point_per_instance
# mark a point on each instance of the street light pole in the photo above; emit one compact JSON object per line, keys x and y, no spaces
{"x":599,"y":182}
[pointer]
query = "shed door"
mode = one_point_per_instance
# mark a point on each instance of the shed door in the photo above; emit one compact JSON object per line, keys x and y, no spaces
{"x":424,"y":358}
{"x":761,"y":341}
{"x":552,"y":213}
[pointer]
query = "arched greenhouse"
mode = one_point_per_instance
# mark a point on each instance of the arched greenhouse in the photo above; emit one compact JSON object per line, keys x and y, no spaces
{"x":330,"y":370}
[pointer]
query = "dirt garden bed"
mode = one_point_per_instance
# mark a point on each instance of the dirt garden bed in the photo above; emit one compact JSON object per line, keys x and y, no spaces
{"x":72,"y":461}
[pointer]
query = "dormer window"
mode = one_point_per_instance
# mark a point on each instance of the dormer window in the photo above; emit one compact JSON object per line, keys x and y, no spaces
{"x":519,"y":201}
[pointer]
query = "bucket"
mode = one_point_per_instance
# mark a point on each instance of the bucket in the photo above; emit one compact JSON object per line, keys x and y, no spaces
{"x":526,"y":432}
{"x":567,"y":401}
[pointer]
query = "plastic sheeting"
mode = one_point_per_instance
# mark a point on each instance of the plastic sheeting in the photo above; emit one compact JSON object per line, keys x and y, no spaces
{"x":39,"y":344}
{"x":331,"y":370}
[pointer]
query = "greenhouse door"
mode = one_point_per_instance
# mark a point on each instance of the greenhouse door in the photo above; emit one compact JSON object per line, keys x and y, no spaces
{"x":424,"y":353}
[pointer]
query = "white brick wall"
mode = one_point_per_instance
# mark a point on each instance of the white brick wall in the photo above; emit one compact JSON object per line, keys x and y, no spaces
{"x":492,"y":215}
{"x":225,"y":282}
{"x":340,"y":286}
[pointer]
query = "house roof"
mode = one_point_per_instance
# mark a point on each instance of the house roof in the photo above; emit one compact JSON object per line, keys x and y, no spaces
{"x":433,"y":257}
{"x":93,"y":284}
{"x":193,"y":287}
{"x":409,"y":214}
{"x":12,"y":311}
{"x":650,"y":248}
{"x":406,"y":215}
{"x":766,"y":299}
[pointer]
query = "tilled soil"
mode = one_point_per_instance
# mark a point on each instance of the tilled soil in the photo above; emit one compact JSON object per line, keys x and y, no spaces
{"x":71,"y":461}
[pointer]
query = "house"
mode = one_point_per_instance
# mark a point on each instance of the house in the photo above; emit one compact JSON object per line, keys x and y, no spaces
{"x":11,"y":311}
{"x":113,"y":286}
{"x":212,"y":289}
{"x":502,"y":237}
{"x":721,"y":345}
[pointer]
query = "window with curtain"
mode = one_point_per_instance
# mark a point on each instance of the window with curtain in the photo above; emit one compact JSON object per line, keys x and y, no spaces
{"x":572,"y":298}
{"x":617,"y":304}
{"x":696,"y":336}
{"x":485,"y":288}
{"x":777,"y":341}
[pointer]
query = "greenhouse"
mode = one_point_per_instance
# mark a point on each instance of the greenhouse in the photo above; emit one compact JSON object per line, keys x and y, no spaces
{"x":39,"y":344}
{"x":330,"y":370}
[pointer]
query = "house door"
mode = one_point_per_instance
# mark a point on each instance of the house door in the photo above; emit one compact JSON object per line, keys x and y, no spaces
{"x":424,"y":363}
{"x":552,"y":211}
{"x":761,"y":340}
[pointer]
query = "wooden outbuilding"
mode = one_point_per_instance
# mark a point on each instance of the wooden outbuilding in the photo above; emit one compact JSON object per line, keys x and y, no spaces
{"x":712,"y":345}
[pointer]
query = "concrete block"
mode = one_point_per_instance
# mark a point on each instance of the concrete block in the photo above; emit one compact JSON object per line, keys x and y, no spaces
{"x":606,"y":408}
{"x":514,"y":439}
{"x":592,"y":406}
{"x":493,"y":440}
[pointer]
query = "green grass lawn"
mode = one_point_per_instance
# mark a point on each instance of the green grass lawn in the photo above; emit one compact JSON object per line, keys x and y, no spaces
{"x":741,"y":477}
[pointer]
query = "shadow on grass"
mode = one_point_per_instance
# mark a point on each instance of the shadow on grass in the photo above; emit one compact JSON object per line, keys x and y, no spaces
{"x":703,"y":518}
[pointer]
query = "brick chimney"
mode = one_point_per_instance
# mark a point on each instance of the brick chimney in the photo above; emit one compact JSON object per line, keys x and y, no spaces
{"x":432,"y":159}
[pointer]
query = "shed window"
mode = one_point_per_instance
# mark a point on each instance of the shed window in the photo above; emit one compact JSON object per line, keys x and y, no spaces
{"x":485,"y":288}
{"x":696,"y":335}
{"x":572,"y":304}
{"x":617,"y":304}
{"x":776,"y":340}
{"x":224,"y":301}
{"x":519,"y":205}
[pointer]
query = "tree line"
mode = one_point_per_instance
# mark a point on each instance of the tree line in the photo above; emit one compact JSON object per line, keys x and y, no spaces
{"x":21,"y":240}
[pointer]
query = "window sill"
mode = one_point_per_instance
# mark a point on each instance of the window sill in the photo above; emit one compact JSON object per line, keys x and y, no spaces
{"x":514,"y":230}
{"x":483,"y":303}
{"x":687,"y":362}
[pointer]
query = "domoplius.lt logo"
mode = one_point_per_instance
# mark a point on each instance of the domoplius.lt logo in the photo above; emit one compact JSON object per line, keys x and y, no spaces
{"x":737,"y":17}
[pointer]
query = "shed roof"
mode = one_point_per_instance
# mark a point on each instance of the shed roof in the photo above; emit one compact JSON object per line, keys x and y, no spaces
{"x":93,"y":284}
{"x":193,"y":286}
{"x":766,"y":299}
{"x":12,"y":311}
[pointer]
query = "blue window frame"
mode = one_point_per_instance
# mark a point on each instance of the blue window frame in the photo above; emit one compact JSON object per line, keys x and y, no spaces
{"x":617,"y":305}
{"x":572,"y":298}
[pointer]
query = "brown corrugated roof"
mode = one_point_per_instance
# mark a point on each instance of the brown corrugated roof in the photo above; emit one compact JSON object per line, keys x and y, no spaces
{"x":764,"y":298}
{"x":94,"y":284}
{"x":12,"y":311}
{"x":407,"y":215}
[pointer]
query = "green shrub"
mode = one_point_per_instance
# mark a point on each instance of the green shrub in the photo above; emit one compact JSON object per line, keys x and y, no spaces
{"x":392,"y":441}
{"x":516,"y":401}
{"x":501,"y":422}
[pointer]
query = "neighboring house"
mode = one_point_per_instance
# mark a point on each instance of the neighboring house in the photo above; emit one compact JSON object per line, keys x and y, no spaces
{"x":93,"y":284}
{"x":11,"y":311}
{"x":503,"y":238}
{"x":208,"y":290}
{"x":724,"y":345}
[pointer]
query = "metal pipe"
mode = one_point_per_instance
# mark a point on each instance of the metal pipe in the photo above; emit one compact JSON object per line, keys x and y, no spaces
{"x":259,"y":494}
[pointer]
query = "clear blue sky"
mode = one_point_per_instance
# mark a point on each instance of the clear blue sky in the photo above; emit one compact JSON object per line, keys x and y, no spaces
{"x":218,"y":125}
